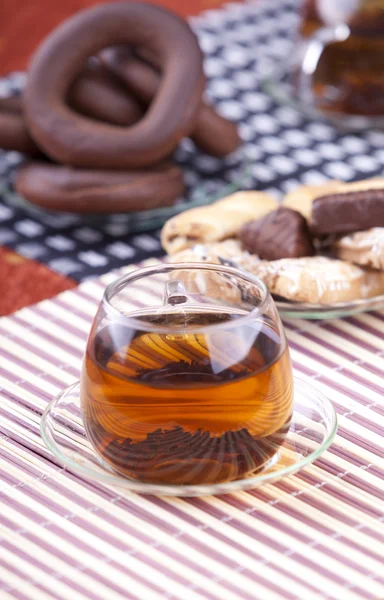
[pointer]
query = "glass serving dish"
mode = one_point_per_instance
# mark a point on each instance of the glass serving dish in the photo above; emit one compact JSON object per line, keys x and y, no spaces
{"x":312,"y":430}
{"x":304,"y":310}
{"x":207,"y":179}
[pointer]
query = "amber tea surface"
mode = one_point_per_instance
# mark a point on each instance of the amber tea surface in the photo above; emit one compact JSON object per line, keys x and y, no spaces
{"x":187,"y":407}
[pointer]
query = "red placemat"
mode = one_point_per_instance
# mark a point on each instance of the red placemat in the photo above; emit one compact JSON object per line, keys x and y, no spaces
{"x":24,"y":281}
{"x":18,"y":38}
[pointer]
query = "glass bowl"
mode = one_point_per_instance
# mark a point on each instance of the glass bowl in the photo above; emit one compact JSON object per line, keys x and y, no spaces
{"x":313,"y":427}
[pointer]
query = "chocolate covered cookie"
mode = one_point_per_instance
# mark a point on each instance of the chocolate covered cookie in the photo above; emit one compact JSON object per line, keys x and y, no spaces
{"x":283,"y":233}
{"x":301,"y":199}
{"x":345,"y":212}
{"x":349,"y":209}
{"x":340,"y":208}
{"x":218,"y":221}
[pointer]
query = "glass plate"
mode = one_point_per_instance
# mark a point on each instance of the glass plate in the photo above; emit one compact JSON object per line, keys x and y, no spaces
{"x":207,"y":179}
{"x":278,"y":85}
{"x":304,"y":310}
{"x":312,"y":430}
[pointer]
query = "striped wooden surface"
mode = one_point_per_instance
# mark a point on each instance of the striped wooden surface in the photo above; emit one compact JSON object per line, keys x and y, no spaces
{"x":316,"y":535}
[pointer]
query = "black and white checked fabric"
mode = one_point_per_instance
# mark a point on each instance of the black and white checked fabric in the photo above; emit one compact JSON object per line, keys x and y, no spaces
{"x":242,"y":44}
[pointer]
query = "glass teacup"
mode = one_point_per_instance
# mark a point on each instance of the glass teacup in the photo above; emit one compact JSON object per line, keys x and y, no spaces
{"x":187,"y":376}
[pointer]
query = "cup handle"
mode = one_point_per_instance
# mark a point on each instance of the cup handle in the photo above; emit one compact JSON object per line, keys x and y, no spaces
{"x":174,"y":293}
{"x":314,"y":48}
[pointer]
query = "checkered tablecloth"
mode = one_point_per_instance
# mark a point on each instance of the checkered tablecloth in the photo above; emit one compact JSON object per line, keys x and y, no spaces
{"x":317,"y":535}
{"x":242,"y":44}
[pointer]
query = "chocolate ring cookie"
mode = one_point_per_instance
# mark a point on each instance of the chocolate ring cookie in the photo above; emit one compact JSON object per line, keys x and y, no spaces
{"x":63,"y":188}
{"x":11,"y":104}
{"x":72,"y":139}
{"x":96,"y":93}
{"x":13,"y":131}
{"x":212,"y":133}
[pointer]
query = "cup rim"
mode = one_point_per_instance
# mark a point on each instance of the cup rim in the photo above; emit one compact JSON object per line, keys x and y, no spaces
{"x":165,"y":267}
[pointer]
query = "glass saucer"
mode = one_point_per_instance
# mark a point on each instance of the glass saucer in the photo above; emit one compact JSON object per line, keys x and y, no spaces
{"x":312,"y":430}
{"x":304,"y":310}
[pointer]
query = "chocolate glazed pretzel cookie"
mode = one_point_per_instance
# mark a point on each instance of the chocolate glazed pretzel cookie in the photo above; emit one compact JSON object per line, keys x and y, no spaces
{"x":56,"y":187}
{"x":95,"y":93}
{"x":75,"y":140}
{"x":13,"y":131}
{"x":212,"y":133}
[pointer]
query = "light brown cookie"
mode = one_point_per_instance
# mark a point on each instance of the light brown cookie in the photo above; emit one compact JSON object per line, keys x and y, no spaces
{"x":301,"y":198}
{"x":373,"y":183}
{"x":319,"y":280}
{"x":227,"y":253}
{"x":218,"y":221}
{"x":363,"y":248}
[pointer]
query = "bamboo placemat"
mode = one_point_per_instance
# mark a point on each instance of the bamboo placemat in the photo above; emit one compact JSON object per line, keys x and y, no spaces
{"x":316,"y":535}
